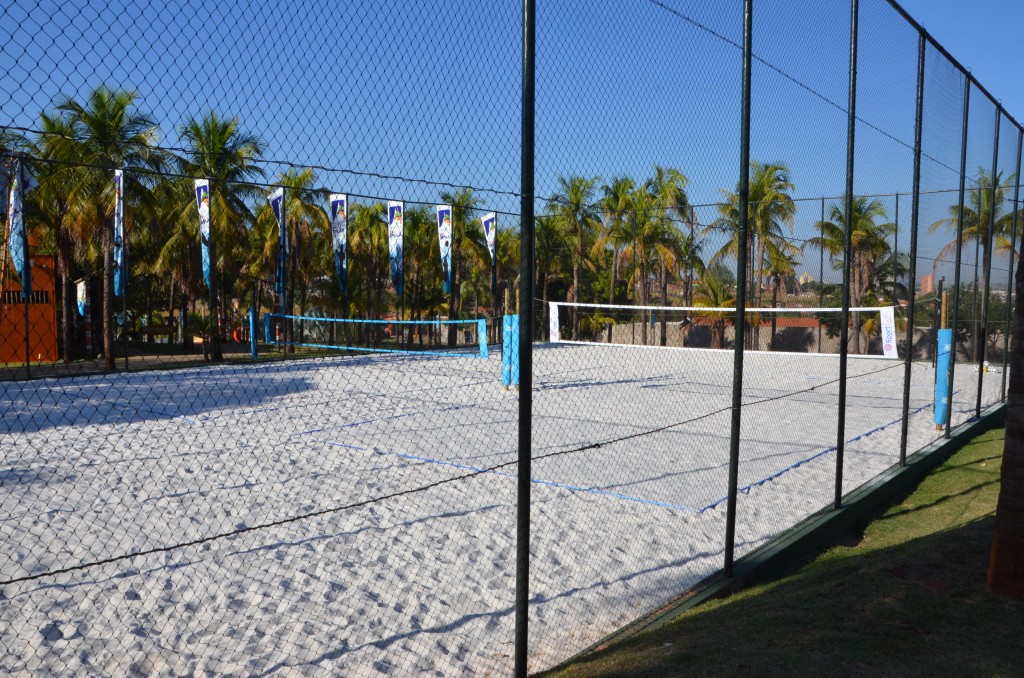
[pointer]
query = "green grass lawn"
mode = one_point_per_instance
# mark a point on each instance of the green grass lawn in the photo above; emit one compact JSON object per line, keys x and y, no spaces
{"x":907,"y":598}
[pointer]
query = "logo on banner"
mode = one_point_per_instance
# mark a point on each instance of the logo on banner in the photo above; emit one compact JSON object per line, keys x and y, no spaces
{"x":888,"y":318}
{"x":396,"y":230}
{"x":203,"y":204}
{"x":444,"y":239}
{"x":490,"y":231}
{"x":339,"y":232}
{"x":277,"y":204}
{"x":118,"y":233}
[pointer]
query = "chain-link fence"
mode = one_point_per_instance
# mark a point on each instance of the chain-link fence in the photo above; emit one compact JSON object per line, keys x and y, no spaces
{"x":402,"y":337}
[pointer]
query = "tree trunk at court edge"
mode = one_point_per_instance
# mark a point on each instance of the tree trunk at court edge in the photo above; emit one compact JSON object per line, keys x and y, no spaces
{"x":108,"y":298}
{"x":1006,"y":566}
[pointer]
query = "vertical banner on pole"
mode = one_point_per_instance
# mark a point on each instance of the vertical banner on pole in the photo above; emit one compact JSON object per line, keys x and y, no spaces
{"x":888,"y":317}
{"x":942,"y":363}
{"x":119,"y":271}
{"x":203,"y":204}
{"x":276,"y":200}
{"x":444,"y":239}
{"x":81,"y":294}
{"x":17,"y":243}
{"x":396,"y":230}
{"x":490,"y":233}
{"x":339,"y":233}
{"x":555,"y":335}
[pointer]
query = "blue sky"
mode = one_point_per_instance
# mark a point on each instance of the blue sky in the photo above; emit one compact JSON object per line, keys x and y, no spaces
{"x":984,"y":35}
{"x":429,"y":89}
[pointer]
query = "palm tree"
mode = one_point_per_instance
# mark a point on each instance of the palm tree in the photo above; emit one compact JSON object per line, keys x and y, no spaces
{"x":714,"y":290}
{"x":553,"y":260}
{"x":310,"y":256}
{"x":615,"y":206}
{"x":423,"y":267}
{"x":464,"y":205}
{"x":219,"y":151}
{"x":770,"y":210}
{"x":870,"y":247}
{"x":176,"y":256}
{"x":781,"y":265}
{"x":981,"y":207}
{"x":369,"y":267}
{"x":55,"y":146}
{"x":108,"y":134}
{"x":573,"y":206}
{"x":668,"y":187}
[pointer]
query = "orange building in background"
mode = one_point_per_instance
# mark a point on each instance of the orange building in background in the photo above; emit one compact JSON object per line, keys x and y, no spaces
{"x":927,"y":284}
{"x":42,"y":315}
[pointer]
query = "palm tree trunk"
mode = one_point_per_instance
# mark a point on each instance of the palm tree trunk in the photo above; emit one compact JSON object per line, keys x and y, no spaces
{"x":547,"y":309}
{"x":643,"y":296}
{"x":664,"y":302}
{"x":1006,"y":565}
{"x":216,"y":353}
{"x":857,"y":287}
{"x":455,"y":299}
{"x":108,"y":295}
{"x":611,"y":288}
{"x":975,"y":347}
{"x":64,"y":261}
{"x":577,"y":283}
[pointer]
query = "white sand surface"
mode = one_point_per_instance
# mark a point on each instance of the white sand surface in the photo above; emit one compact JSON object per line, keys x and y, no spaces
{"x":420,"y":582}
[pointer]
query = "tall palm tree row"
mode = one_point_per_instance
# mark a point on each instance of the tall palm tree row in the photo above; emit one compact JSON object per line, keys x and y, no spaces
{"x":627,"y":240}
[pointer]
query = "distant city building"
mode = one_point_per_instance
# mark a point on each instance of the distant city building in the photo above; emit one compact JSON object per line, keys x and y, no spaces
{"x":806,"y":279}
{"x":927,"y":283}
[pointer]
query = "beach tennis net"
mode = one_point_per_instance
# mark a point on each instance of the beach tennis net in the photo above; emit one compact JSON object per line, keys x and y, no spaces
{"x":318,"y":335}
{"x":872,"y":330}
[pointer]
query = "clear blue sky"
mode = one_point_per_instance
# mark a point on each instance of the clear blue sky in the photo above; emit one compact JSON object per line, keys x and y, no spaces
{"x":430,"y":90}
{"x":985,"y":36}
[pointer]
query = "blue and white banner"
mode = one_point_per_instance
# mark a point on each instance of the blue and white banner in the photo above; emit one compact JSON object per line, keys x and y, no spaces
{"x":339,"y":233}
{"x":396,"y":231}
{"x":490,"y":231}
{"x":119,"y":270}
{"x":82,"y":295}
{"x":889,"y":332}
{"x":17,"y":239}
{"x":444,"y":239}
{"x":203,"y":205}
{"x":491,"y":234}
{"x":277,"y":205}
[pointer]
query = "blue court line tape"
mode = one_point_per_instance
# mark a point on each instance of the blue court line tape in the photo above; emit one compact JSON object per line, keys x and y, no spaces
{"x":758,"y":483}
{"x":503,"y":474}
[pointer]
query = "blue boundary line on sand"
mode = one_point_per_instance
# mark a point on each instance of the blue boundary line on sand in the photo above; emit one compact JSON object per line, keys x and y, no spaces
{"x":617,"y":495}
{"x":758,"y":483}
{"x":549,"y":483}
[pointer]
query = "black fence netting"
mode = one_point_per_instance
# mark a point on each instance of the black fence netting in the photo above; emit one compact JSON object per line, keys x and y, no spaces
{"x":265,"y":314}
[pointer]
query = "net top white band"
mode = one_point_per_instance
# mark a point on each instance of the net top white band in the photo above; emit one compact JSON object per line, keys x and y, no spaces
{"x":723,"y":309}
